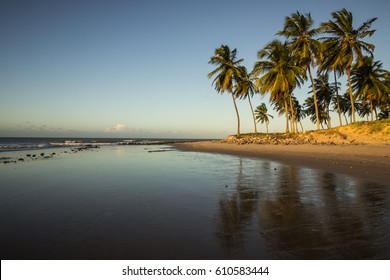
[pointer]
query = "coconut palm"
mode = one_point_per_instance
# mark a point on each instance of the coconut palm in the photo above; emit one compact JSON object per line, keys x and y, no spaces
{"x":245,"y":88}
{"x":310,"y":111}
{"x":300,"y":113}
{"x":262,"y":115}
{"x":299,"y":31}
{"x":369,"y":83}
{"x":325,"y":94}
{"x":337,"y":73}
{"x":278,"y":73}
{"x":345,"y":45}
{"x":227,"y":73}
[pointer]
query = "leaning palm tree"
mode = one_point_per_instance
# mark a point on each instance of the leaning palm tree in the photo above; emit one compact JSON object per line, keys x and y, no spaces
{"x":345,"y":45}
{"x":299,"y":31}
{"x":227,"y":73}
{"x":262,"y":115}
{"x":369,"y":83}
{"x":245,"y":88}
{"x":279,"y":74}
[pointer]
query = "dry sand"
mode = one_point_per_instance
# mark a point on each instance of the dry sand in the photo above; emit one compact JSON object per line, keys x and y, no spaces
{"x":366,"y":162}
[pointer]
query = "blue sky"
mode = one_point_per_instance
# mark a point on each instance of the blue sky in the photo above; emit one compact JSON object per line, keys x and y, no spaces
{"x":121,"y":68}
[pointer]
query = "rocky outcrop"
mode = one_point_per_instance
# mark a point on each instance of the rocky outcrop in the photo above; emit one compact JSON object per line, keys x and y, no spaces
{"x":279,"y":139}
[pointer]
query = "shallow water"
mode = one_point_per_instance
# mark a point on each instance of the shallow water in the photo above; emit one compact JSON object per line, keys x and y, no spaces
{"x":131,"y":203}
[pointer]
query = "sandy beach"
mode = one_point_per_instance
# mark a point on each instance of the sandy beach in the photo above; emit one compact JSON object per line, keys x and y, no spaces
{"x":366,"y":162}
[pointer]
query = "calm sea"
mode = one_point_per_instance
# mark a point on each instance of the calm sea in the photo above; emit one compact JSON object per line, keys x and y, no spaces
{"x":155,"y":202}
{"x":25,"y":143}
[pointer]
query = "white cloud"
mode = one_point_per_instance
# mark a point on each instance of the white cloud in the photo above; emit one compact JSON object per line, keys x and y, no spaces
{"x":118,"y":128}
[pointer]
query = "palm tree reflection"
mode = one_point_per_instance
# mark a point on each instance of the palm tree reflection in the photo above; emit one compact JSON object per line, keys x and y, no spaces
{"x":302,"y":214}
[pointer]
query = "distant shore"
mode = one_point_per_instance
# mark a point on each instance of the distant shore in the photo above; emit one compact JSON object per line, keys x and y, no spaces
{"x":365,"y":162}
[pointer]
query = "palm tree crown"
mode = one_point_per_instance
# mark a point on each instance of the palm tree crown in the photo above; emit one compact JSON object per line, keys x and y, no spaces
{"x":299,"y":31}
{"x":280,"y":74}
{"x":228,"y":72}
{"x":345,"y":45}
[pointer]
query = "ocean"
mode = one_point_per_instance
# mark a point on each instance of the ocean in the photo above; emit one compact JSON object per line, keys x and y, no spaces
{"x":155,"y":202}
{"x":36,"y":143}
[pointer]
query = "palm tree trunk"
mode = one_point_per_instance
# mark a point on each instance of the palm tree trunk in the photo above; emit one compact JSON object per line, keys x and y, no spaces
{"x":301,"y":126}
{"x":253,"y":113}
{"x":315,"y":98}
{"x":337,"y":98}
{"x":371,"y":111}
{"x":286,"y":112}
{"x":238,"y":116}
{"x":266,"y":126}
{"x":293,"y":128}
{"x":348,"y":70}
{"x":346,"y":120}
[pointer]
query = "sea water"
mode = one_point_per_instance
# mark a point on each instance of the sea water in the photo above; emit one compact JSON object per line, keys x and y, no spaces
{"x":155,"y":202}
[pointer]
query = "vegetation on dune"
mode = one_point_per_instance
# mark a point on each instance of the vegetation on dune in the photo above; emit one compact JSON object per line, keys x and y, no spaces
{"x":318,"y":54}
{"x":362,"y":132}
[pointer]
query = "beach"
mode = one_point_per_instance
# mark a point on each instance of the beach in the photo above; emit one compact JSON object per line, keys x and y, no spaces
{"x":195,"y":200}
{"x":367,"y":162}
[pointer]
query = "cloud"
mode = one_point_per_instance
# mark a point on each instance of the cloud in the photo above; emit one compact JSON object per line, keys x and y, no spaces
{"x":118,"y":128}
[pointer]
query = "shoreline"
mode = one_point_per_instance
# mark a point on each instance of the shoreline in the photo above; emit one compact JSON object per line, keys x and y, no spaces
{"x":366,"y":162}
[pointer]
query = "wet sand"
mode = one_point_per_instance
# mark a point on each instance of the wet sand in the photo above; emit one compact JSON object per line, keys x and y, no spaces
{"x":366,"y":162}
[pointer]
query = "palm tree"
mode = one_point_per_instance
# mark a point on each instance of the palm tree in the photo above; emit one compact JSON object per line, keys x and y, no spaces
{"x":325,"y":93}
{"x":337,"y":73}
{"x":227,"y":73}
{"x":369,"y":83}
{"x":300,"y":113}
{"x":245,"y":88}
{"x":279,"y":73}
{"x":345,"y":45}
{"x":262,"y":115}
{"x":298,"y":29}
{"x":310,"y":111}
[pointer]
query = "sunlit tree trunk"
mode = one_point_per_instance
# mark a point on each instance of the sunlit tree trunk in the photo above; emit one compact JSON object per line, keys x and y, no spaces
{"x":353,"y":118}
{"x":371,"y":111}
{"x":315,"y":98}
{"x":253,"y":113}
{"x":238,"y":116}
{"x":286,"y":112}
{"x":337,"y":98}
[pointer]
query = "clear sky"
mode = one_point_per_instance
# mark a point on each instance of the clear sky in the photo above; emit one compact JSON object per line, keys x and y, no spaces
{"x":126,"y":68}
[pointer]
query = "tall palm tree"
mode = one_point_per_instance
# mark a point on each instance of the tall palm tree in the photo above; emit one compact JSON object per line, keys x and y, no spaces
{"x":299,"y":31}
{"x":227,"y":73}
{"x":337,"y":73}
{"x":369,"y":83}
{"x":345,"y":45}
{"x":325,"y":93}
{"x":279,"y":73}
{"x":262,"y":115}
{"x":245,"y":88}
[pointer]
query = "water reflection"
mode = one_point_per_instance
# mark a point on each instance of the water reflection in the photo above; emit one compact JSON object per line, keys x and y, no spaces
{"x":303,"y":214}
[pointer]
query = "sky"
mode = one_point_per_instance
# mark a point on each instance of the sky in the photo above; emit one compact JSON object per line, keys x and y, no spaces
{"x":126,"y":68}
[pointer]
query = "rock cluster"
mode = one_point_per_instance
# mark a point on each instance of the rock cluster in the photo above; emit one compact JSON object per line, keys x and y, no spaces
{"x":42,"y":155}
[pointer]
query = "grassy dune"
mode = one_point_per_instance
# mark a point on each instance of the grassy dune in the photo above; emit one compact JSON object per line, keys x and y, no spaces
{"x":377,"y":132}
